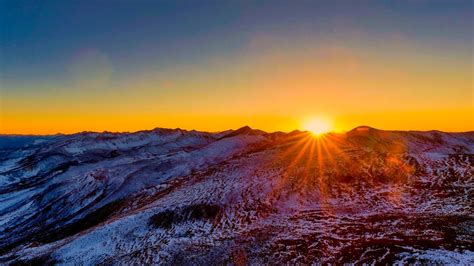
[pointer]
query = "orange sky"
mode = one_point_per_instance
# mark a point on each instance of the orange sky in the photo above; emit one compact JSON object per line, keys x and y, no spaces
{"x":274,"y":80}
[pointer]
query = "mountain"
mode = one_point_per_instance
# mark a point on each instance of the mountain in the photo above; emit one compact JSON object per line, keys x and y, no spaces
{"x":171,"y":196}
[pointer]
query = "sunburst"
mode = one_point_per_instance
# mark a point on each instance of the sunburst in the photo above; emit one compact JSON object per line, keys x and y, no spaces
{"x":317,"y":126}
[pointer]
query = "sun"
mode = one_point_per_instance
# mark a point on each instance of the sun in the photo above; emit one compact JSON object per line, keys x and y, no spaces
{"x":317,"y":126}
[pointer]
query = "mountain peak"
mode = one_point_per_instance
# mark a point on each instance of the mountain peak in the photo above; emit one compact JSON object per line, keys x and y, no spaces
{"x":245,"y":130}
{"x":363,"y":129}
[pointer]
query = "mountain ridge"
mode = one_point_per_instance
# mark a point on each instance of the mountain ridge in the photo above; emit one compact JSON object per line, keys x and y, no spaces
{"x":101,"y":197}
{"x":215,"y":132}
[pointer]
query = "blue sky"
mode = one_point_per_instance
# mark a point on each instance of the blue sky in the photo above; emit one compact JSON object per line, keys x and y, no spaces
{"x":184,"y":56}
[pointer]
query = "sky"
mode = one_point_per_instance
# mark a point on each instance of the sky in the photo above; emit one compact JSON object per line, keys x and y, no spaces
{"x":71,"y":66}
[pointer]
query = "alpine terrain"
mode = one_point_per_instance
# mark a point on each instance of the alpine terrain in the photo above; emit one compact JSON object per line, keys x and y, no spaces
{"x":171,"y":196}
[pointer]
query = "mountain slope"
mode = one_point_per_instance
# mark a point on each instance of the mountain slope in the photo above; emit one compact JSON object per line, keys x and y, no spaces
{"x":246,"y":196}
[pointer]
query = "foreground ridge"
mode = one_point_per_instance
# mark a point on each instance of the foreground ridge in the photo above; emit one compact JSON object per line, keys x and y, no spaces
{"x":242,"y":196}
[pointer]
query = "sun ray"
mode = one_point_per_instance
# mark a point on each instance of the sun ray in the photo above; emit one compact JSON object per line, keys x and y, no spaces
{"x":332,"y":143}
{"x":300,"y":154}
{"x":309,"y":162}
{"x":295,"y":146}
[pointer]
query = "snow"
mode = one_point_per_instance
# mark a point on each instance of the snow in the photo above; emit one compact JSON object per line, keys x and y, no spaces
{"x":274,"y":206}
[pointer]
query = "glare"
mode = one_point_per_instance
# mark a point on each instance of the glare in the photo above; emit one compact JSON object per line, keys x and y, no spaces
{"x":317,"y":126}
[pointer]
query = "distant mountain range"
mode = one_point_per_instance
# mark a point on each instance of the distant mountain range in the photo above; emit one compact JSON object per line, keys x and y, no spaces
{"x":171,"y":196}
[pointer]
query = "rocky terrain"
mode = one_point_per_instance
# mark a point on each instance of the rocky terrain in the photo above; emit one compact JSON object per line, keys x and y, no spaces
{"x":237,"y":197}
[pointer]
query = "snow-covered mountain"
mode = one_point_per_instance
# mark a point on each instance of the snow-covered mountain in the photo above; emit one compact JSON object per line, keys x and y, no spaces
{"x":237,"y":197}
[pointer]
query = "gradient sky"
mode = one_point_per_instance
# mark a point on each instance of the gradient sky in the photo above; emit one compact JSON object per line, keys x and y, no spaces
{"x":69,"y":66}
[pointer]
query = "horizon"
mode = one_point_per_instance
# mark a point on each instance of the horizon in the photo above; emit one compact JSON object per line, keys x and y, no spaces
{"x":236,"y":132}
{"x":231,"y":129}
{"x":211,"y":66}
